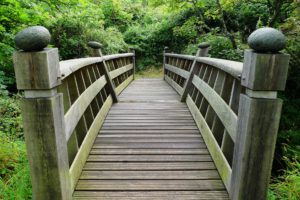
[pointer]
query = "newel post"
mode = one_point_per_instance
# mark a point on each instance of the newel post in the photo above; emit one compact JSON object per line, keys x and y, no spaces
{"x":96,"y":52}
{"x":264,"y":73}
{"x":133,"y":62}
{"x":164,"y":61}
{"x":37,"y":73}
{"x":202,"y":51}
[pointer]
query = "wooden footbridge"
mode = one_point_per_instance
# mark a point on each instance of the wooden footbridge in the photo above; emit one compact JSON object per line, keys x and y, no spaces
{"x":206,"y":130}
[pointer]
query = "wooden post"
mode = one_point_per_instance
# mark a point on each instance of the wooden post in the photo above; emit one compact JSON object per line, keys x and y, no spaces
{"x":38,"y":74}
{"x":164,"y":61}
{"x":202,"y":51}
{"x":133,"y":63}
{"x":96,"y":52}
{"x":258,"y":120}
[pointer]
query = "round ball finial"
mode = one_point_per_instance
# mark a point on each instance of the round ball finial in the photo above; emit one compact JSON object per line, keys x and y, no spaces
{"x":203,"y":45}
{"x":95,"y":45}
{"x":34,"y":38}
{"x":267,"y":40}
{"x":166,"y":48}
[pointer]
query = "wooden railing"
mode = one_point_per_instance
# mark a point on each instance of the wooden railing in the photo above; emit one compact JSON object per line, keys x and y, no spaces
{"x":236,"y":109}
{"x":63,"y":110}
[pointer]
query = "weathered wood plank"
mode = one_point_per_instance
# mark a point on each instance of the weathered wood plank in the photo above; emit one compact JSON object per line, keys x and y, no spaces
{"x":149,"y":158}
{"x":154,"y":145}
{"x":152,"y":195}
{"x":117,"y":72}
{"x":152,"y":175}
{"x":149,"y":166}
{"x":123,"y":85}
{"x":178,"y":71}
{"x":226,"y":115}
{"x":212,"y":145}
{"x":80,"y":105}
{"x":174,"y":85}
{"x":146,"y":185}
{"x":143,"y":151}
{"x":86,"y":146}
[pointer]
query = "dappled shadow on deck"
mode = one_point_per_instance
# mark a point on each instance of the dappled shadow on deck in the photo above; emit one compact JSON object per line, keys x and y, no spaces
{"x":149,"y":148}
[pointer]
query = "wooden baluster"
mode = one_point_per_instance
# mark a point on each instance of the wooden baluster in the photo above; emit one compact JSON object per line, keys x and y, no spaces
{"x":258,"y":117}
{"x":81,"y":128}
{"x":165,"y":61}
{"x":37,"y":73}
{"x":205,"y":78}
{"x":199,"y":73}
{"x":102,"y":94}
{"x":88,"y":114}
{"x":94,"y":75}
{"x":88,"y":81}
{"x":115,"y":66}
{"x":211,"y":80}
{"x":72,"y":142}
{"x":227,"y":143}
{"x":210,"y":113}
{"x":120,"y":64}
{"x":203,"y":49}
{"x":217,"y":126}
{"x":178,"y":77}
{"x":133,"y":63}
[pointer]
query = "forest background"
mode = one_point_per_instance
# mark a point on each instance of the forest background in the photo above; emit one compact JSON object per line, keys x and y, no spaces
{"x":148,"y":26}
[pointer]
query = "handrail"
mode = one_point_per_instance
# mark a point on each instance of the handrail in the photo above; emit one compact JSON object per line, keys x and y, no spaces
{"x":231,"y":67}
{"x":174,"y":55}
{"x":67,"y":67}
{"x":236,"y":109}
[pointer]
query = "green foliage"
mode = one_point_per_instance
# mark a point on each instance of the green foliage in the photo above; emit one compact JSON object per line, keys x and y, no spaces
{"x":10,"y":117}
{"x":286,"y":186}
{"x":14,"y":170}
{"x":68,"y":35}
{"x":148,"y":26}
{"x":221,"y":47}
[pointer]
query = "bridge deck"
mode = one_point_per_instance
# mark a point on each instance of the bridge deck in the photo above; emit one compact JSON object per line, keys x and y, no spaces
{"x":149,"y":148}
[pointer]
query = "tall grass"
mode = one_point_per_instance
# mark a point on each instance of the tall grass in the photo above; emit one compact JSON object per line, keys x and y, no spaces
{"x":287,"y":185}
{"x":14,"y":168}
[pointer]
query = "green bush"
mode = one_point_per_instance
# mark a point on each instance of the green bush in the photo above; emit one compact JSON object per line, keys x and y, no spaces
{"x":220,"y":47}
{"x":10,"y":117}
{"x":286,"y":186}
{"x":68,"y":34}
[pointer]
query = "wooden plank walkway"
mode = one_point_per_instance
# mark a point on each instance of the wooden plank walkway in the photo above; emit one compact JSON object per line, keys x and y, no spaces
{"x":149,"y":148}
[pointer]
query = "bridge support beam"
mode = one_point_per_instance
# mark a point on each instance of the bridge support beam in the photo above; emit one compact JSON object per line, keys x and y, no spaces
{"x":258,"y":120}
{"x":43,"y":117}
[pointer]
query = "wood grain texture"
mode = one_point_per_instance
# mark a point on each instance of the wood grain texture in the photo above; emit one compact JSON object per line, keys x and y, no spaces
{"x":253,"y":155}
{"x":86,"y":146}
{"x":149,"y":143}
{"x":123,"y":85}
{"x":265,"y":72}
{"x":226,"y":115}
{"x":212,"y":145}
{"x":177,"y":70}
{"x":175,"y":85}
{"x":46,"y":147}
{"x":77,"y":109}
{"x":152,"y":195}
{"x":37,"y":70}
{"x":121,"y":70}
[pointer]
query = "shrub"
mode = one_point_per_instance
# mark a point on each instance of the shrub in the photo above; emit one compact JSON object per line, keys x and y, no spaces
{"x":221,"y":47}
{"x":10,"y":120}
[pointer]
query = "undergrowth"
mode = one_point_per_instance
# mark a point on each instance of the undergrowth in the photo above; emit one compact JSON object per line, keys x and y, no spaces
{"x":287,"y":185}
{"x":14,"y":169}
